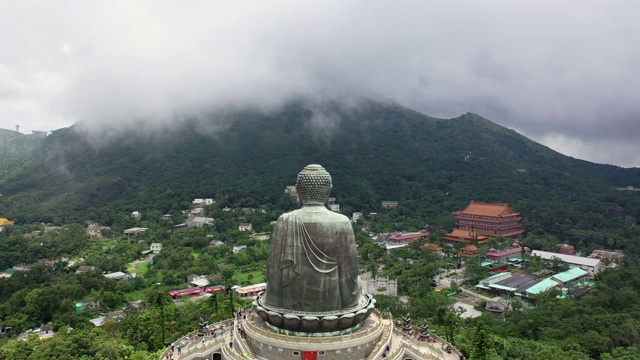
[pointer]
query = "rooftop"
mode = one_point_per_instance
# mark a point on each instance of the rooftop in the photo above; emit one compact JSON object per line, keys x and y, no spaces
{"x":572,"y":259}
{"x":5,"y":222}
{"x":516,"y":281}
{"x":470,"y":247}
{"x":115,"y":275}
{"x":488,"y":209}
{"x":542,"y":286}
{"x":513,"y":250}
{"x":466,"y":234}
{"x":408,"y":236}
{"x":571,"y":274}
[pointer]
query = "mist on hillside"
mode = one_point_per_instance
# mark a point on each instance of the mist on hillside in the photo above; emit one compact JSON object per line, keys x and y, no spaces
{"x":562,"y":74}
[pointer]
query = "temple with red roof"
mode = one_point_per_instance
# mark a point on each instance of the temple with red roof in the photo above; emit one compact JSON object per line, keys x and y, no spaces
{"x":479,"y":221}
{"x":470,"y":251}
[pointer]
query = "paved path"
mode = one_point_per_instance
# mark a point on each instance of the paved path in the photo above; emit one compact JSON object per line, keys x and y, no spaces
{"x":485,"y":298}
{"x":470,"y":311}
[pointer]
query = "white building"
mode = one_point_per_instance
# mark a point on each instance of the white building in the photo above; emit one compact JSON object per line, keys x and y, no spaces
{"x":135,"y":231}
{"x":199,"y":221}
{"x":197,"y":212}
{"x":380,"y":286}
{"x":117,"y":276}
{"x":593,"y":266}
{"x":156,"y":248}
{"x":96,"y":230}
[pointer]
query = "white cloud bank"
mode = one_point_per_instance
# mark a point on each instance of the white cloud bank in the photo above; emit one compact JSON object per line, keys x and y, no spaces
{"x":563,"y":73}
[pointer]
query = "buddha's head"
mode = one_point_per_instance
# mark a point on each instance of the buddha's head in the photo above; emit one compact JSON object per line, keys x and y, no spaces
{"x":313,"y":185}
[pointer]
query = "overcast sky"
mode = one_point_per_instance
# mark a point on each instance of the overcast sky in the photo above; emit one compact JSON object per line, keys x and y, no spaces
{"x":563,"y":73}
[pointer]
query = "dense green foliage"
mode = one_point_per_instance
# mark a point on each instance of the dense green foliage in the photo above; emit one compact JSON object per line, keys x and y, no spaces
{"x":48,"y":294}
{"x":374,"y":152}
{"x":15,"y":149}
{"x":602,"y":324}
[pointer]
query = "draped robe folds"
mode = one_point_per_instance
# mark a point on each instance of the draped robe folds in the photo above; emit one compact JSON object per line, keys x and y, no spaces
{"x":313,"y":264}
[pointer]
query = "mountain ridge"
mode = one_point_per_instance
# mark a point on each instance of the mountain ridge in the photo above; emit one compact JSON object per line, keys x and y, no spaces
{"x":374,"y":151}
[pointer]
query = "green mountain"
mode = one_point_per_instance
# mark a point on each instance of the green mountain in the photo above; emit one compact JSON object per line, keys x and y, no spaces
{"x":14,"y":149}
{"x":15,"y":144}
{"x":374,"y":151}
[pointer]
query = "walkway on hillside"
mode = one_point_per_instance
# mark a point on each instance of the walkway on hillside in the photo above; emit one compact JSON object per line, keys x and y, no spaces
{"x":433,"y":349}
{"x":482,"y":297}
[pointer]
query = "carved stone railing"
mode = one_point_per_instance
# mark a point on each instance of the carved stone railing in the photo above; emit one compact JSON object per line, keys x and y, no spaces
{"x":440,"y":340}
{"x":195,"y":345}
{"x":250,"y":326}
{"x":242,"y":346}
{"x":230,"y":353}
{"x":434,"y":348}
{"x":406,"y":348}
{"x":385,"y":339}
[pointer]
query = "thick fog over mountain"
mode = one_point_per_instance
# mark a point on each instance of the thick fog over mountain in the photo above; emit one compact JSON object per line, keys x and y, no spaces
{"x":564,"y":74}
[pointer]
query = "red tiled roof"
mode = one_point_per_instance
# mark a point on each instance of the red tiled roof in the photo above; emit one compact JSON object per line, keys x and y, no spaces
{"x":494,"y":252}
{"x":410,"y":236}
{"x":432,"y":247}
{"x":487,"y":209}
{"x":466,"y":234}
{"x":461,"y":216}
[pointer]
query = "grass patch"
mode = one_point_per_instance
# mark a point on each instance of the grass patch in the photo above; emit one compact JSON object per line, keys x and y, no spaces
{"x":242,"y":277}
{"x":136,"y":295}
{"x":139,"y":268}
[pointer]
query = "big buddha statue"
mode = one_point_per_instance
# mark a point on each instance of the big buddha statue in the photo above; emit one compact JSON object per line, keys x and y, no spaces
{"x":312,"y":270}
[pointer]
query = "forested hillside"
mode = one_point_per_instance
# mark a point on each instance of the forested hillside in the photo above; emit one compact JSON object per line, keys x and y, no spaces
{"x":374,"y":152}
{"x":242,"y":159}
{"x":14,"y":149}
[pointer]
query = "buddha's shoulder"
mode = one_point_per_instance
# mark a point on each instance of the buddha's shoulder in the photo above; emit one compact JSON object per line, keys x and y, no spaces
{"x":315,"y":216}
{"x":334,"y":216}
{"x":289,"y":215}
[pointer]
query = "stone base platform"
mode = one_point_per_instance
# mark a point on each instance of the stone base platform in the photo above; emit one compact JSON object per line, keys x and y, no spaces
{"x":267,"y":344}
{"x":329,"y":323}
{"x":251,"y":338}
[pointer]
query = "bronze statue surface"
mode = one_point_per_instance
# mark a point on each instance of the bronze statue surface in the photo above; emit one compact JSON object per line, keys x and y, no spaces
{"x":312,"y":271}
{"x":313,"y":265}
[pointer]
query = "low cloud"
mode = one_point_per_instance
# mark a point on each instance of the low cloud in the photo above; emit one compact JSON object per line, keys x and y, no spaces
{"x":562,"y":73}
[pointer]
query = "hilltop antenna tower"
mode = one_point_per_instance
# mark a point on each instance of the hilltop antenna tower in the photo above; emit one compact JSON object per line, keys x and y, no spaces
{"x":17,"y":128}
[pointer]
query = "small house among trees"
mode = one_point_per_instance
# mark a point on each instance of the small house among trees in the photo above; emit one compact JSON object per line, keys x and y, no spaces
{"x":135,"y":231}
{"x":156,"y":248}
{"x":117,"y":276}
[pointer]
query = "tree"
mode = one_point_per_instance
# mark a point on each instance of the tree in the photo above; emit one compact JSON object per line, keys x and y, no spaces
{"x":481,"y":341}
{"x":158,"y":299}
{"x":447,"y":319}
{"x":373,"y":267}
{"x":595,"y":343}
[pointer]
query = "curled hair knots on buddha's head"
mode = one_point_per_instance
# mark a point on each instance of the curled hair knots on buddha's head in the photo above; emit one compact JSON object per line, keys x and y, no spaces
{"x":313,"y":183}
